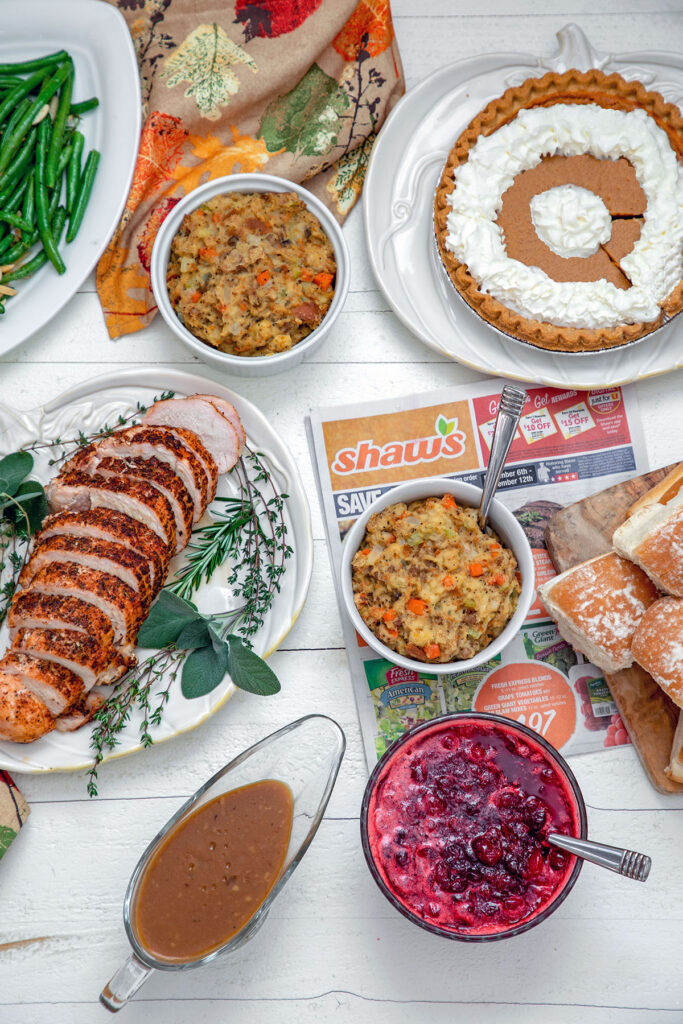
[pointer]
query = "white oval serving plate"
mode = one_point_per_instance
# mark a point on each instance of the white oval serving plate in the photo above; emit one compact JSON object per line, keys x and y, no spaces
{"x":102,"y":400}
{"x":398,"y":198}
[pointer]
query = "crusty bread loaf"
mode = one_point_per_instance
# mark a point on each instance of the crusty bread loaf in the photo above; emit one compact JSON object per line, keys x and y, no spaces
{"x":658,"y":645}
{"x":652,"y":536}
{"x":674,"y":770}
{"x":597,"y":606}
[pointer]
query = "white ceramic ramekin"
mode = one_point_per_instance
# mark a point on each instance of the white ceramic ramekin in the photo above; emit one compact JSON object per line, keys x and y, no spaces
{"x":500,"y":519}
{"x":247,"y":366}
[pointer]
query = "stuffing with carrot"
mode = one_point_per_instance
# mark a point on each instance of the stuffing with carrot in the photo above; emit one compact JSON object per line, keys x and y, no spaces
{"x":251,"y":274}
{"x":430,"y":584}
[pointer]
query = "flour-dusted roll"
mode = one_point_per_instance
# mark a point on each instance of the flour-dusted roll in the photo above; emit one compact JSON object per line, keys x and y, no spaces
{"x":652,"y":536}
{"x":597,"y":606}
{"x":658,"y":645}
{"x":675,"y":767}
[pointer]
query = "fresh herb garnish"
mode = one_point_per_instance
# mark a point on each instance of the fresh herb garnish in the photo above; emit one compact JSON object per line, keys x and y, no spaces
{"x":23,"y":506}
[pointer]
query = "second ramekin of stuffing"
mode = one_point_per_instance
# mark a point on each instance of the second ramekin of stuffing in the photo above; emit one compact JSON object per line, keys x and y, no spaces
{"x":250,"y":272}
{"x":425,"y":587}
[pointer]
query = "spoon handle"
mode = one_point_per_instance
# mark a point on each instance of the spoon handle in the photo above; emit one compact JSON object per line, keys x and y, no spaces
{"x":624,"y":862}
{"x":509,"y":410}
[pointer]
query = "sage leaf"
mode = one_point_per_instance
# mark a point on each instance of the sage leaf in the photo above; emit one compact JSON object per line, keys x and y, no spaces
{"x":167,"y":618}
{"x":249,"y":671}
{"x":203,"y":671}
{"x":194,"y":634}
{"x":13,"y":469}
{"x":28,"y":507}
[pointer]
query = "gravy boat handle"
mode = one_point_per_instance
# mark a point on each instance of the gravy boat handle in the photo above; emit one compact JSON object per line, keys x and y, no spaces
{"x":128,"y":979}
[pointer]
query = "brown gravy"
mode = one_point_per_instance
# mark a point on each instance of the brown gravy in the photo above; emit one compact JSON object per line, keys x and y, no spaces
{"x":213,"y":872}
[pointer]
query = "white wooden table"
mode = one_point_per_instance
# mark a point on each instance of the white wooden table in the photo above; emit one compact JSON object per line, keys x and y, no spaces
{"x":333,"y":948}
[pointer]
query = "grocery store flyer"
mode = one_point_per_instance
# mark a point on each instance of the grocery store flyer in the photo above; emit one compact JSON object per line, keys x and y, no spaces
{"x":569,"y":445}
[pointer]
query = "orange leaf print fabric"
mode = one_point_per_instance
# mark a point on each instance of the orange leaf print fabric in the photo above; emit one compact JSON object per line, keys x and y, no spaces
{"x":369,"y":28}
{"x":260,"y":72}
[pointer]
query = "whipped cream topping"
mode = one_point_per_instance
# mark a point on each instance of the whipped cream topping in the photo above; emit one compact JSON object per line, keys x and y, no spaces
{"x":654,"y":266}
{"x":572,"y":221}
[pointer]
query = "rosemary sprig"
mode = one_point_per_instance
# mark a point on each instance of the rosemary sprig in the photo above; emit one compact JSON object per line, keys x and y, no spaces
{"x":251,"y":533}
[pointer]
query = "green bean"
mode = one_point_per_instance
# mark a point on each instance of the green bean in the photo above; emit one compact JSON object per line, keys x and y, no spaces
{"x":73,"y":174}
{"x":26,"y":87}
{"x":84,"y":106}
{"x":11,"y":143}
{"x":29,"y":209}
{"x":20,"y":248}
{"x":15,"y":220}
{"x":16,"y":169}
{"x":15,"y":199}
{"x":54,"y":200}
{"x":42,"y":215}
{"x":16,"y":116}
{"x":63,"y":162}
{"x":39,"y":63}
{"x":41,"y":258}
{"x":58,"y":130}
{"x":4,"y":246}
{"x":84,"y":190}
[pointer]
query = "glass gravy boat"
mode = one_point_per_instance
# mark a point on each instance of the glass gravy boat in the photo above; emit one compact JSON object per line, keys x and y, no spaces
{"x":306,"y":755}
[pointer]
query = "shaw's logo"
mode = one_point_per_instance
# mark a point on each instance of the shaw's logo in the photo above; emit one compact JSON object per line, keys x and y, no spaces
{"x":448,"y":442}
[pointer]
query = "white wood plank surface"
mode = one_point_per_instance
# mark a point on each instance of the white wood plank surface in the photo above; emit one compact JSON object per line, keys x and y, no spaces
{"x":333,"y":949}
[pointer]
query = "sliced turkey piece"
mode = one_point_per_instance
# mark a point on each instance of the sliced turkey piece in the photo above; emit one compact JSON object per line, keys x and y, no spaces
{"x":214,"y":429}
{"x":161,"y":443}
{"x":107,"y":524}
{"x":23,"y":716}
{"x":105,"y":555}
{"x":83,"y":710}
{"x":124,"y":608}
{"x":58,"y":687}
{"x":152,"y":471}
{"x":32,"y":609}
{"x":82,"y":654}
{"x":230,"y":412}
{"x":77,"y":491}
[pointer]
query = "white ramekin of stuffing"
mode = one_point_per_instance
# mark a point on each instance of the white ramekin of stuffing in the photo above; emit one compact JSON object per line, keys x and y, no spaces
{"x":250,"y":271}
{"x":425,"y":586}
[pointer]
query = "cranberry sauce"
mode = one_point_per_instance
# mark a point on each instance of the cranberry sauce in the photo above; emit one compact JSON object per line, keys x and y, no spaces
{"x":457,"y":826}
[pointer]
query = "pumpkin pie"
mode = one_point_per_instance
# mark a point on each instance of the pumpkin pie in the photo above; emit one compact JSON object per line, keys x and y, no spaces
{"x":559,"y":213}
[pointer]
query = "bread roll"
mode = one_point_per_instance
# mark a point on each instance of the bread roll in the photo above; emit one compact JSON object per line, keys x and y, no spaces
{"x":597,"y":606}
{"x":675,"y":766}
{"x":658,"y":645}
{"x":662,"y":492}
{"x":652,"y":537}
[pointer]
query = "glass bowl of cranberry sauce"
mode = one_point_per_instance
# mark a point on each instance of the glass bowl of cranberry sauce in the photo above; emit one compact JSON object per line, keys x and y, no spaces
{"x":454,"y":826}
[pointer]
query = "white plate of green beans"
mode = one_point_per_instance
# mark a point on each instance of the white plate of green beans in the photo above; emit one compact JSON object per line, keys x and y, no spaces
{"x":69,"y":135}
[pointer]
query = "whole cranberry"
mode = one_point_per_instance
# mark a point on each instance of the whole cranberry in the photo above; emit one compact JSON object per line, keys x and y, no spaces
{"x":558,"y":859}
{"x":486,"y":850}
{"x":514,"y":907}
{"x":534,"y":865}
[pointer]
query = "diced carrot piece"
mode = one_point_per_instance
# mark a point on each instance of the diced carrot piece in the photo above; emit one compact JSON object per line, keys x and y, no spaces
{"x":365,"y":551}
{"x":498,"y":579}
{"x":476,"y":569}
{"x":417,"y":606}
{"x":263,"y":277}
{"x":493,"y":547}
{"x":389,"y":615}
{"x":448,"y":501}
{"x":432,"y":651}
{"x":306,"y":275}
{"x":208,"y":254}
{"x":448,"y":581}
{"x":392,"y":632}
{"x":323,"y":281}
{"x":195,"y":297}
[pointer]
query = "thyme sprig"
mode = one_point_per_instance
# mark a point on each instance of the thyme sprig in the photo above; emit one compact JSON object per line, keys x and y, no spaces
{"x":70,"y":445}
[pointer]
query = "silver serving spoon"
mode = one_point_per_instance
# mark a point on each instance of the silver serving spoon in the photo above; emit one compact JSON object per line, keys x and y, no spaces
{"x":509,"y":410}
{"x":624,"y":862}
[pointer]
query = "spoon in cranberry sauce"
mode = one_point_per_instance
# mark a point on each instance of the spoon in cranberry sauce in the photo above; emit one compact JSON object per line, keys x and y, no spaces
{"x":614,"y":858}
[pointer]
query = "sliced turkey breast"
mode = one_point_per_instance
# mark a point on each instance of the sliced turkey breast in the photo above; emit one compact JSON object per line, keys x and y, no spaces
{"x":56,"y":686}
{"x":162,"y":444}
{"x":204,"y":419}
{"x":105,"y":555}
{"x":23,"y":717}
{"x":231,"y":414}
{"x":77,"y":491}
{"x":31,"y":609}
{"x":82,"y":654}
{"x":108,"y":524}
{"x":124,"y":608}
{"x":82,"y":711}
{"x":158,"y":474}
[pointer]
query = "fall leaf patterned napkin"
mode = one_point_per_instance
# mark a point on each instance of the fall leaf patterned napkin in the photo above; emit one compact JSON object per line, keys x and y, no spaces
{"x":297,"y":88}
{"x":13,"y":811}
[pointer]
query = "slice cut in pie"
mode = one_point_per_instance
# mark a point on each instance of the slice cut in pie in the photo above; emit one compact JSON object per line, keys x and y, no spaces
{"x":559,"y":213}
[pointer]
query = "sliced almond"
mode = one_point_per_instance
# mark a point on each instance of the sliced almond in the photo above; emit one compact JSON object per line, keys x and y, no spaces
{"x":6,"y":290}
